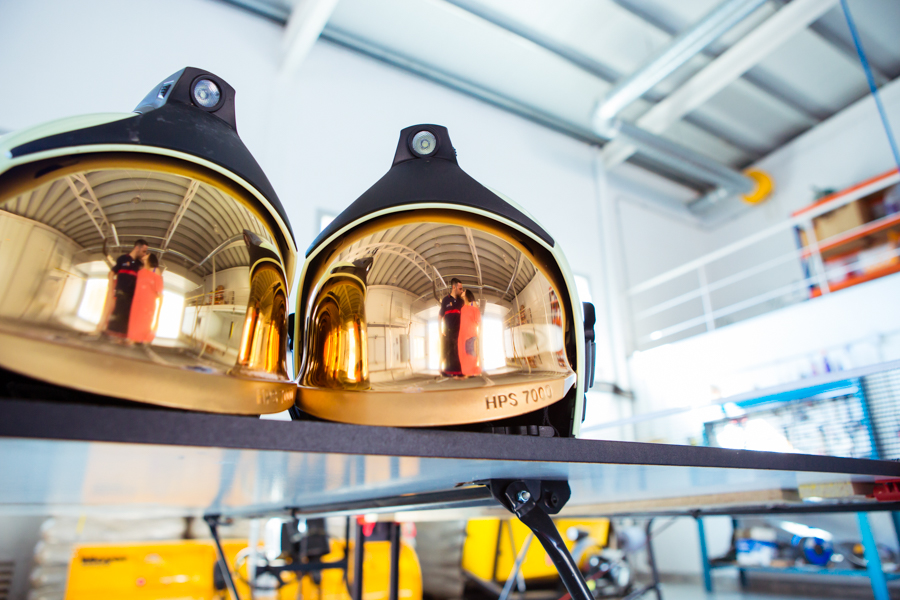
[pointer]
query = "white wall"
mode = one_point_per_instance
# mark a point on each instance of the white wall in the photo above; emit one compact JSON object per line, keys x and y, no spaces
{"x":855,"y":327}
{"x":36,"y":282}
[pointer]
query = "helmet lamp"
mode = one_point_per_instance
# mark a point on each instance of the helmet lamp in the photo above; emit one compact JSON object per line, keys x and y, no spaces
{"x":206,"y":93}
{"x":424,"y":143}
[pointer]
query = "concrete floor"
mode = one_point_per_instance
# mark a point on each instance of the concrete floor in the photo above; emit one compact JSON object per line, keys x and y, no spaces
{"x":688,"y":591}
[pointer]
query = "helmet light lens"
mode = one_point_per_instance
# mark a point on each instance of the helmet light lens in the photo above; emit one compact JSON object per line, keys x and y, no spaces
{"x":206,"y":93}
{"x":424,"y":143}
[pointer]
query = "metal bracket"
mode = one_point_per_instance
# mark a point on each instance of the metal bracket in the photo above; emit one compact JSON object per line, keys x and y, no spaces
{"x":533,"y":501}
{"x":213,"y":522}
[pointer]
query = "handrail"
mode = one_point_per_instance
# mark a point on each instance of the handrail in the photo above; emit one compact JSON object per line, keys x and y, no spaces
{"x":759,"y":299}
{"x":833,"y":202}
{"x":190,"y":300}
{"x":817,"y":276}
{"x":719,"y":284}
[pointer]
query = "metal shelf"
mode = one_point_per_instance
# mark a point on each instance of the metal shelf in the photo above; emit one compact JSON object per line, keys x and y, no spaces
{"x":804,"y":570}
{"x":72,"y":458}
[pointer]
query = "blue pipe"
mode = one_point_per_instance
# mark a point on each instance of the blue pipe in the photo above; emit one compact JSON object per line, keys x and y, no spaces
{"x":871,"y":79}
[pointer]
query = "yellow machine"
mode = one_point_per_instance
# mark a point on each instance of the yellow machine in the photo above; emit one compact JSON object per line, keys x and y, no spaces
{"x":492,"y":546}
{"x":186,"y":570}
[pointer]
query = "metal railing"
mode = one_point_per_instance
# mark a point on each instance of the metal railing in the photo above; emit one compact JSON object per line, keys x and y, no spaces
{"x":661,"y":315}
{"x":221,"y":297}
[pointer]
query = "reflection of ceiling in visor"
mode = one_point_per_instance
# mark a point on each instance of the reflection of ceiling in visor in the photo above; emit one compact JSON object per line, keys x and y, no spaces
{"x":195,"y":218}
{"x":413,"y":256}
{"x":263,"y":281}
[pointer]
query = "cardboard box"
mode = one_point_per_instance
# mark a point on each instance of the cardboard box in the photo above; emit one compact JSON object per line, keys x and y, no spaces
{"x":839,"y":220}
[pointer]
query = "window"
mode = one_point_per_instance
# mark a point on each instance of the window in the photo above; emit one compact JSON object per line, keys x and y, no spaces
{"x":583,"y":284}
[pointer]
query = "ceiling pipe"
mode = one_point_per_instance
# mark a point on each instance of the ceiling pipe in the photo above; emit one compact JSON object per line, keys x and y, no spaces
{"x":687,"y":161}
{"x":671,"y":155}
{"x":728,"y":182}
{"x":721,"y":72}
{"x":679,"y":51}
{"x":678,"y":159}
{"x":303,"y":28}
{"x":709,"y":81}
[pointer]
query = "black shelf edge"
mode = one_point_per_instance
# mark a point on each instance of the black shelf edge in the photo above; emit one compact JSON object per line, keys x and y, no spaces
{"x":141,"y":424}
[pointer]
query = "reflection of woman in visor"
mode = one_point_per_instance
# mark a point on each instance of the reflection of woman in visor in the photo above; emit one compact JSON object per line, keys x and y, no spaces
{"x":147,"y":300}
{"x":449,"y":313}
{"x":469,"y":334}
{"x":124,"y":277}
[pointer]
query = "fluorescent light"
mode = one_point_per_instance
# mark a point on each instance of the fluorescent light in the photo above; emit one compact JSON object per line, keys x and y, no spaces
{"x":418,"y":347}
{"x":492,"y":344}
{"x":351,"y":351}
{"x":434,"y":345}
{"x":805,"y":531}
{"x":93,"y":299}
{"x":732,"y":410}
{"x":170,"y":314}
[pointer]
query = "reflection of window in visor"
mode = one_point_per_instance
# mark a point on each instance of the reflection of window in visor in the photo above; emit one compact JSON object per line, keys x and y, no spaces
{"x":391,"y":340}
{"x":201,"y":324}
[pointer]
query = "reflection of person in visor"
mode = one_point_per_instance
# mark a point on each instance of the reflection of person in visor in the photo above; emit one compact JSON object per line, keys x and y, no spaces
{"x":449,"y":313}
{"x":124,"y":277}
{"x":147,"y":300}
{"x":470,"y":337}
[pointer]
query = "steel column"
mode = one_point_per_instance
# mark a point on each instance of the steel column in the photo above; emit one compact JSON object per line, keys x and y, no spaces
{"x":873,"y":561}
{"x":704,"y":555}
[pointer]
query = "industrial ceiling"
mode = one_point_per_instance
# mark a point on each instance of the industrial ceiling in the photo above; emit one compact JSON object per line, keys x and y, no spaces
{"x":188,"y":219}
{"x":771,"y":72}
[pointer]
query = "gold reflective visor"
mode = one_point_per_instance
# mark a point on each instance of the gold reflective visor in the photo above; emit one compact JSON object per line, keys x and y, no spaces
{"x":392,"y":339}
{"x":194,"y":319}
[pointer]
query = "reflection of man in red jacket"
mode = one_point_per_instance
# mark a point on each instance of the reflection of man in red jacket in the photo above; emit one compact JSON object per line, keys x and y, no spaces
{"x":449,"y":313}
{"x":122,"y":279}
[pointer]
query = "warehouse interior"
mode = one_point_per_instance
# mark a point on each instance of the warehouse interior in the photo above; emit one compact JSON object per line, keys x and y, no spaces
{"x":723,"y":179}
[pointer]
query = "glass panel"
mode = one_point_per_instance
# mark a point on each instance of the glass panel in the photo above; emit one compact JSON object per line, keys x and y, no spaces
{"x":204,"y":293}
{"x":432,"y":307}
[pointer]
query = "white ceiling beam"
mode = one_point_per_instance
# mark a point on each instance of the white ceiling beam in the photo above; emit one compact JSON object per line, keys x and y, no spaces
{"x":402,"y":251}
{"x":179,"y":214}
{"x":514,"y":273}
{"x":88,"y":200}
{"x":474,"y":253}
{"x":303,"y":28}
{"x":680,"y":50}
{"x":718,"y":74}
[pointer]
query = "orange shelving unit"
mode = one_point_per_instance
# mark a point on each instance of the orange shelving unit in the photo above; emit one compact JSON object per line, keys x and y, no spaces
{"x":852,"y":236}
